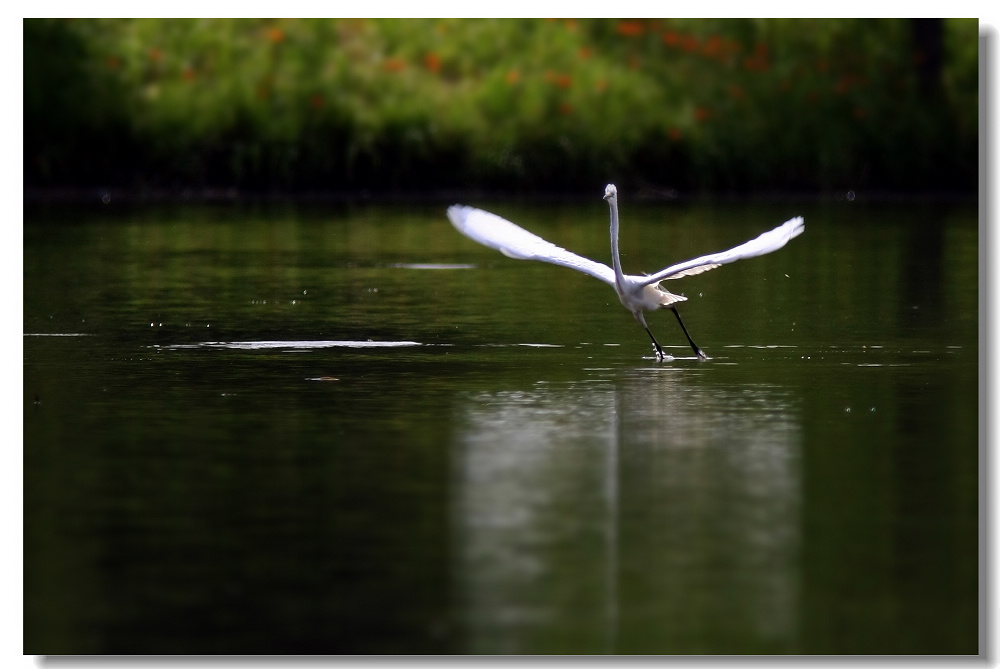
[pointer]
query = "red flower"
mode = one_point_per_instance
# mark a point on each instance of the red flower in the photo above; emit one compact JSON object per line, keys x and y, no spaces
{"x":759,"y":61}
{"x":700,"y":113}
{"x":671,"y":38}
{"x":631,"y":28}
{"x":713,"y":47}
{"x":433,"y":62}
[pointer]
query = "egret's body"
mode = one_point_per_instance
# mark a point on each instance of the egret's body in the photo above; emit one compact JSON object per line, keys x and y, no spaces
{"x":638,"y":293}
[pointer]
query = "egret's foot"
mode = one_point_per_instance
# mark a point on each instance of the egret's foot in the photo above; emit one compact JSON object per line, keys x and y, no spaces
{"x":702,"y":355}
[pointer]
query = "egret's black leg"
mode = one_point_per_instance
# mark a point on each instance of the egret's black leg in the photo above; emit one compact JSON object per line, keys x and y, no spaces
{"x":697,"y":351}
{"x":660,"y":356}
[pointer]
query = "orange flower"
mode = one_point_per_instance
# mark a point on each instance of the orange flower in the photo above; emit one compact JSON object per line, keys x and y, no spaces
{"x":689,"y":43}
{"x":671,"y":38}
{"x":631,"y":28}
{"x":602,"y":85}
{"x":156,"y":55}
{"x":513,"y":77}
{"x":433,"y":62}
{"x":276,"y":35}
{"x":394,"y":65}
{"x":847,"y":82}
{"x":114,"y":62}
{"x":560,"y":80}
{"x":565,"y":108}
{"x":188,"y":73}
{"x":737,"y":92}
{"x":586,"y":52}
{"x":756,"y":63}
{"x":700,"y":113}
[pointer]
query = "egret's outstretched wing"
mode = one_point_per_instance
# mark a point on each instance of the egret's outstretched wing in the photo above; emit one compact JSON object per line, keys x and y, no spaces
{"x":500,"y":234}
{"x":767,"y":242}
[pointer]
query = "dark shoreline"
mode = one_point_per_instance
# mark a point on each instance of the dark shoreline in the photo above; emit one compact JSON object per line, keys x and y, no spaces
{"x":109,"y":196}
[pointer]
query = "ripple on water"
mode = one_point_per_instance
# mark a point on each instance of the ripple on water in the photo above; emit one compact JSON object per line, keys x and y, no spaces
{"x":298,"y":345}
{"x":432,"y":265}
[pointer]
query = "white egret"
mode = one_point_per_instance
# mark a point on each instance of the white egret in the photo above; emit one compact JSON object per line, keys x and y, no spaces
{"x":637,"y":293}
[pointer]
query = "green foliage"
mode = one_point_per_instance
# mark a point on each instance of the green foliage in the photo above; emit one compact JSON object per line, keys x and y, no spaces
{"x":552,"y":104}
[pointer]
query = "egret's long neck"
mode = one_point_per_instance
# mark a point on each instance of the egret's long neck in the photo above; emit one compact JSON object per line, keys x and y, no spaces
{"x":619,"y":275}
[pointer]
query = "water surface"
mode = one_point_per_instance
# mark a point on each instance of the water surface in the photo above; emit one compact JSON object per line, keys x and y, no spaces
{"x":348,"y":429}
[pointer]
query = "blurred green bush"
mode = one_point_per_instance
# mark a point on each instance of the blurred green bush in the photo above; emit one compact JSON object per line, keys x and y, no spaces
{"x":336,"y":105}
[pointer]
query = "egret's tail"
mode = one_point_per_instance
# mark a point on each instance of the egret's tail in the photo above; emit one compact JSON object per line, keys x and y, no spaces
{"x":667,"y":298}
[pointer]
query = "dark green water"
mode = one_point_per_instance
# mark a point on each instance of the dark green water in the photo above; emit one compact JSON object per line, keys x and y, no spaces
{"x":352,"y":430}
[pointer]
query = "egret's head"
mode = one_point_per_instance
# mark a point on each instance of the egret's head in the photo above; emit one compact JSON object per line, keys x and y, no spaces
{"x":610,"y":192}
